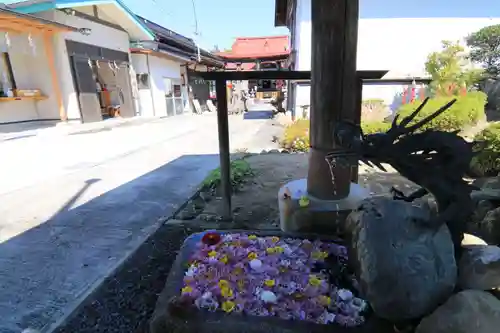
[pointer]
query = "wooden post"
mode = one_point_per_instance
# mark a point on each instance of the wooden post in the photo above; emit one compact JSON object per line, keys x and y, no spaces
{"x":49,"y":52}
{"x":333,"y":90}
{"x":224,"y":152}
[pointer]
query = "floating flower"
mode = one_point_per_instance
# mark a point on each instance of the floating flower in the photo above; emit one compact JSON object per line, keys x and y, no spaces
{"x":319,"y":255}
{"x":269,"y":283}
{"x":224,"y":259}
{"x":223,"y":284}
{"x":211,"y":238}
{"x":252,"y":237}
{"x":324,"y":300}
{"x":187,"y":290}
{"x":271,"y":250}
{"x":275,"y":239}
{"x":252,"y":255}
{"x":256,"y":265}
{"x":279,"y":249}
{"x":268,"y":297}
{"x":212,"y":253}
{"x":226,"y":292}
{"x":237,"y":271}
{"x":304,"y":201}
{"x":314,"y":281}
{"x":228,"y":306}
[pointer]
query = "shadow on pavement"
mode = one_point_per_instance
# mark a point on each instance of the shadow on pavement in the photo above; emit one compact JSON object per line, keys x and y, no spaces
{"x":45,"y":271}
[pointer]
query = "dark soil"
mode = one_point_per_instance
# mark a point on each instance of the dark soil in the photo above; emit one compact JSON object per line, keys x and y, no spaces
{"x":125,"y":301}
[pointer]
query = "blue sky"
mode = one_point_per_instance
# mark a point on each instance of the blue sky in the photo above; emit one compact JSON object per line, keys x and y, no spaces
{"x":220,"y":21}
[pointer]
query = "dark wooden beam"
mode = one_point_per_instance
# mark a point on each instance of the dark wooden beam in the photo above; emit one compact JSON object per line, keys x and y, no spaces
{"x":224,"y":153}
{"x":334,"y":90}
{"x":279,"y":75}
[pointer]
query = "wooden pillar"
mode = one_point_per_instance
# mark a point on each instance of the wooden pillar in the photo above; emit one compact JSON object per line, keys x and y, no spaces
{"x":333,"y":89}
{"x":49,"y":52}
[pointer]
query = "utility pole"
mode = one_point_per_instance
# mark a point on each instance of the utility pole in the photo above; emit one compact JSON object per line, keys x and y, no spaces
{"x":196,"y":32}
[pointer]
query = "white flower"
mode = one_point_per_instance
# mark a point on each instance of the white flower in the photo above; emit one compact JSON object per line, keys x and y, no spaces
{"x":191,"y":271}
{"x":268,"y":296}
{"x":344,"y":294}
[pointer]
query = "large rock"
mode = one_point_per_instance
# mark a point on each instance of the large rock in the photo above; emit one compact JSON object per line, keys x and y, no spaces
{"x":405,"y":268}
{"x":489,"y":228}
{"x":468,"y":311}
{"x":479,"y":267}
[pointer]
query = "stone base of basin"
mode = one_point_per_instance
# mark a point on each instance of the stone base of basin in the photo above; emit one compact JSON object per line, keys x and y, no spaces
{"x":171,"y":315}
{"x":301,"y":212}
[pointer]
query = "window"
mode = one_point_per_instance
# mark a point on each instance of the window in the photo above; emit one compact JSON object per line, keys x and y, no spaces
{"x":142,"y":81}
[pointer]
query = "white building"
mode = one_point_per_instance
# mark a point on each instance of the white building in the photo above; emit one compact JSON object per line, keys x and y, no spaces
{"x":398,"y":45}
{"x":96,"y":71}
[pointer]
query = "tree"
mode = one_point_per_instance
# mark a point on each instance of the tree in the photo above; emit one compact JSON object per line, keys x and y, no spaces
{"x":450,"y":69}
{"x":485,"y":48}
{"x":215,"y":49}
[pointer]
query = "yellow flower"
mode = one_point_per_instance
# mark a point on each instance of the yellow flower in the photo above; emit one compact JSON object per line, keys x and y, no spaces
{"x":279,"y":249}
{"x":241,"y":284}
{"x":212,"y":253}
{"x":228,"y":306}
{"x":226,"y":292}
{"x":223,"y":284}
{"x":252,"y":255}
{"x":275,"y":239}
{"x":269,"y":283}
{"x":298,"y":296}
{"x":304,"y":201}
{"x":237,"y":271}
{"x":224,"y":259}
{"x":252,"y":237}
{"x":319,"y":255}
{"x":271,"y":250}
{"x":324,"y":300}
{"x":187,"y":290}
{"x":314,"y":281}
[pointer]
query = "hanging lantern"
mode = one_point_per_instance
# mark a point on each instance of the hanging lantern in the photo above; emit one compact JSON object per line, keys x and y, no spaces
{"x":404,"y":96}
{"x":7,"y":40}
{"x":32,"y":44}
{"x":413,"y":92}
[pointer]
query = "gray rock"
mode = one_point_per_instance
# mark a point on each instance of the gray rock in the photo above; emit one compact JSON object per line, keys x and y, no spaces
{"x":479,"y":267}
{"x":487,"y":182}
{"x":482,"y":208}
{"x":405,"y":268}
{"x":274,"y":151}
{"x":465,"y":312}
{"x":489,"y":228}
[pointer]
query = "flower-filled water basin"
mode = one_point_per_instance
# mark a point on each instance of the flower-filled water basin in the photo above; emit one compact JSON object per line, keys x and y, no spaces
{"x":289,"y":278}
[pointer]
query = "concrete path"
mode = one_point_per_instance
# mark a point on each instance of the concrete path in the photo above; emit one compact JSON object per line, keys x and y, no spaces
{"x":75,"y":203}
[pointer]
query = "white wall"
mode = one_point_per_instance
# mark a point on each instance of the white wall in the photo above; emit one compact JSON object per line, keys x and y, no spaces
{"x":31,"y":71}
{"x":398,"y":45}
{"x":152,"y":101}
{"x":100,"y":35}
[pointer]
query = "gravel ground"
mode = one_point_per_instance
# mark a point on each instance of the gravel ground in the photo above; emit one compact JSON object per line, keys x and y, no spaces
{"x":125,"y":301}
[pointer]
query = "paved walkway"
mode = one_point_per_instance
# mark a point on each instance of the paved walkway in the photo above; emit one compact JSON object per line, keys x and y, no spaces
{"x":74,"y":204}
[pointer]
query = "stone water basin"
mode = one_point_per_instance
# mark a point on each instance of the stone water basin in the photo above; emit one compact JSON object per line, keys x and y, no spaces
{"x":236,"y":281}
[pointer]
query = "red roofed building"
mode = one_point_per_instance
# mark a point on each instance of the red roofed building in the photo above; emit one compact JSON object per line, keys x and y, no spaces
{"x":259,"y":53}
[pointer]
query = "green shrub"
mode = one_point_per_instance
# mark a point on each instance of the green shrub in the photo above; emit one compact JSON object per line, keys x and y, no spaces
{"x":240,"y":170}
{"x":487,"y":162}
{"x":296,"y":136}
{"x":467,"y":111}
{"x":371,"y":127}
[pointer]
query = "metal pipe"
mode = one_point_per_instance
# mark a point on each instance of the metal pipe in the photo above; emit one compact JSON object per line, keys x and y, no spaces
{"x":151,"y":86}
{"x":224,"y":155}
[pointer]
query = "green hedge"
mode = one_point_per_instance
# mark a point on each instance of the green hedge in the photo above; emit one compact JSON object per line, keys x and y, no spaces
{"x":468,"y":110}
{"x":296,"y":136}
{"x":487,"y":162}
